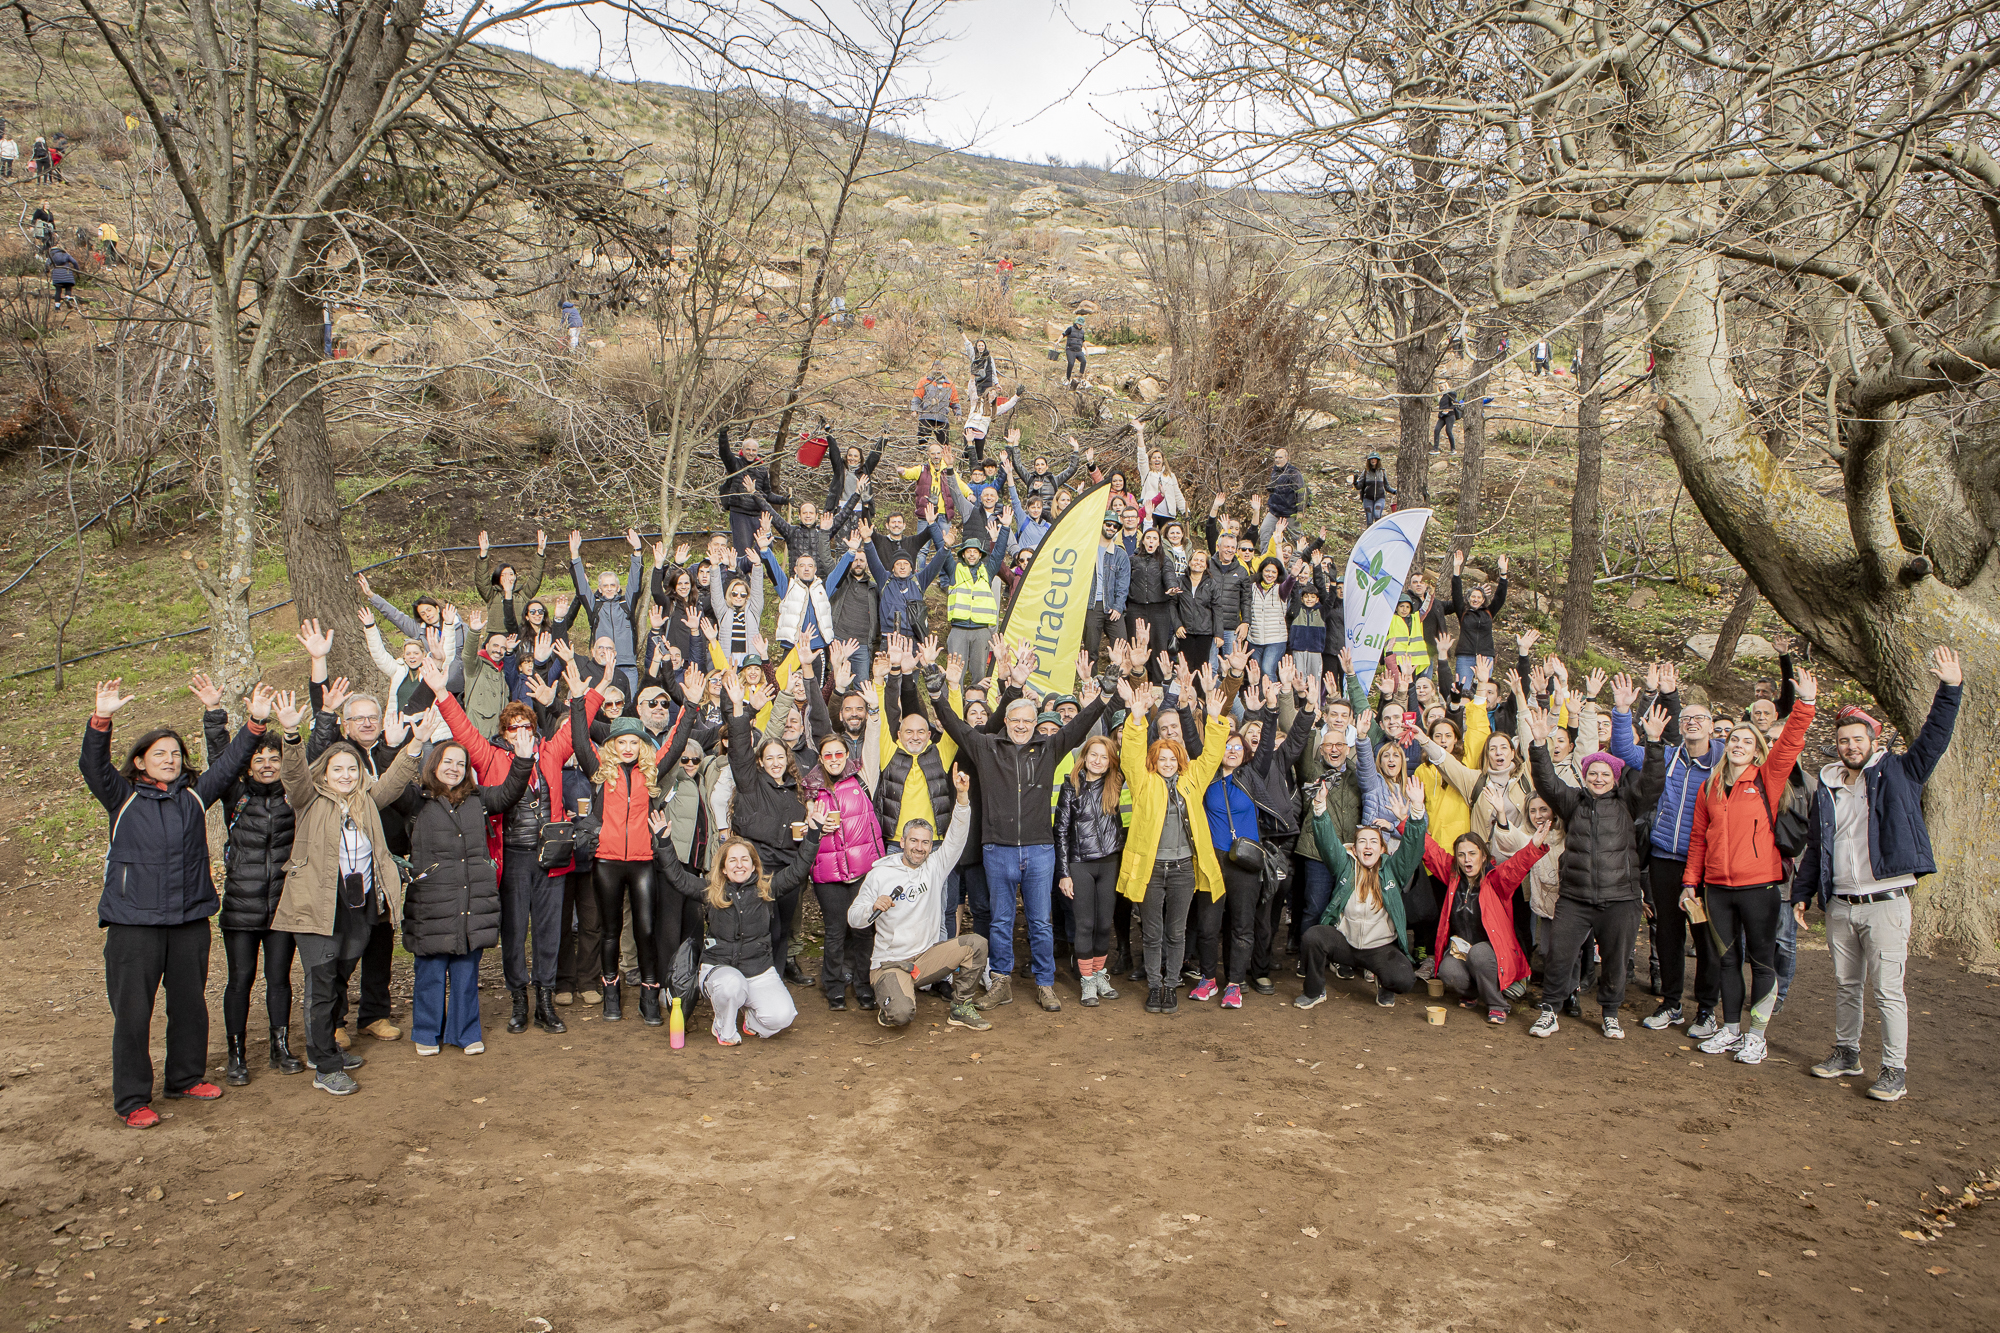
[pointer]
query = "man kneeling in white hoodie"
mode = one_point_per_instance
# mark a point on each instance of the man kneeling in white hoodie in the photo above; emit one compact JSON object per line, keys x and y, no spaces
{"x":902,"y":897}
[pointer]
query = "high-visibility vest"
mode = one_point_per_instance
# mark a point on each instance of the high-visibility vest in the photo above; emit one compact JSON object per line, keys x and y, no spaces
{"x":1406,"y":641}
{"x":971,"y":601}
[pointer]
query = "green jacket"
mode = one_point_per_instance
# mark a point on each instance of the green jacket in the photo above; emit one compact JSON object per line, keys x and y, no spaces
{"x":527,"y":582}
{"x":1401,"y":864}
{"x":486,"y":690}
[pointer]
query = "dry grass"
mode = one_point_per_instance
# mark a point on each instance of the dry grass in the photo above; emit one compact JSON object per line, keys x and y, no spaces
{"x":983,"y":308}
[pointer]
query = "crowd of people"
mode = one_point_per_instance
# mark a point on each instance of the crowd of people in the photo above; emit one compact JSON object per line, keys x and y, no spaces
{"x":1223,"y":807}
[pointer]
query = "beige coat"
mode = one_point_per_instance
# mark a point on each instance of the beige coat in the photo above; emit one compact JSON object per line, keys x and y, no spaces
{"x":312,"y":876}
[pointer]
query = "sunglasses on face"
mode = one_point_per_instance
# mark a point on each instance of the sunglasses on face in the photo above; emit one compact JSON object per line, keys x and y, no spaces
{"x":520,"y":726}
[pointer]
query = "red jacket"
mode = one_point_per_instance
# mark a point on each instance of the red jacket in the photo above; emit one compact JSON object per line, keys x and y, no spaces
{"x":1732,"y":845}
{"x":1496,"y":898}
{"x":490,"y":762}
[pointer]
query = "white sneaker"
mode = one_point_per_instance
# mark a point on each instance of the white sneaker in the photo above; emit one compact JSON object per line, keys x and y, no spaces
{"x":476,"y":1048}
{"x":1545,"y":1025}
{"x":1725,"y":1039}
{"x":1666,"y":1016}
{"x":1613,"y":1028}
{"x":1705,"y":1025}
{"x":1753,"y":1049}
{"x":426,"y":1050}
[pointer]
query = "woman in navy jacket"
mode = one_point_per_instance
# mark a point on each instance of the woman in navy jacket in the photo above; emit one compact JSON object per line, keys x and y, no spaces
{"x":158,"y":895}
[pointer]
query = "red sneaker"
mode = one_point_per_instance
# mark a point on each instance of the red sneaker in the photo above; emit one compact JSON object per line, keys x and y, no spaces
{"x":1205,"y":991}
{"x":143,"y":1118}
{"x":201,"y":1092}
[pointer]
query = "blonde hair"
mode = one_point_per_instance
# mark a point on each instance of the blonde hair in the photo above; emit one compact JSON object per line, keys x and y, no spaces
{"x":718,"y":883}
{"x":1720,"y":773}
{"x":1368,"y":879}
{"x":1114,"y":780}
{"x":648,"y":762}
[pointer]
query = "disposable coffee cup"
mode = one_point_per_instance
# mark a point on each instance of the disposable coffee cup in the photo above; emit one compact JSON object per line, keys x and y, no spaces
{"x":1434,"y":1015}
{"x":798,"y":830}
{"x":1436,"y":987}
{"x":583,"y":805}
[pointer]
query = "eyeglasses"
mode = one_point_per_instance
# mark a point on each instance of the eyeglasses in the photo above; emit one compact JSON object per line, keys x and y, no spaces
{"x":653,"y":700}
{"x":520,"y":726}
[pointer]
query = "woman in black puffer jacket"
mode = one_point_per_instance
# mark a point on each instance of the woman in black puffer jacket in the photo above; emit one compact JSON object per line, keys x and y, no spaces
{"x":451,"y":911}
{"x":259,"y":820}
{"x":1090,"y":833}
{"x":1151,"y":598}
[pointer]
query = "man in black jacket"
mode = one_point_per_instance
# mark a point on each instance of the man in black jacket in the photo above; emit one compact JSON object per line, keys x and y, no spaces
{"x":1016,"y":778}
{"x":745,"y":481}
{"x":1285,"y":497}
{"x":1074,"y":361}
{"x":1373,"y":484}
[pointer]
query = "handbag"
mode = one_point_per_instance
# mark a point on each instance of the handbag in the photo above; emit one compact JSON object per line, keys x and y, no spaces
{"x":555,"y":843}
{"x":1244,"y":853}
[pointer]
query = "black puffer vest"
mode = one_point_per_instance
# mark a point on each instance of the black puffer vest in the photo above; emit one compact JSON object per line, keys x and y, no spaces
{"x":260,"y":842}
{"x":896,"y":774}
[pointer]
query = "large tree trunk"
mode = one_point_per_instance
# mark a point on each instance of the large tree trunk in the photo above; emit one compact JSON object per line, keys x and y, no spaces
{"x":1722,"y":661}
{"x":1416,"y":400}
{"x":1472,"y":466}
{"x":1580,"y":587}
{"x":316,"y":559}
{"x":1839,"y":574}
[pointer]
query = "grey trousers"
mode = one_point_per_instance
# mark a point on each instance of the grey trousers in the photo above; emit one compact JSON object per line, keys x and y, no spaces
{"x":1871,"y":944}
{"x":1479,"y":969}
{"x":970,"y":644}
{"x":1163,"y":920}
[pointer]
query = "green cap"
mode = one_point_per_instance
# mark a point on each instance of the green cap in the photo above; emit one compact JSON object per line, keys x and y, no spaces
{"x":627,"y":726}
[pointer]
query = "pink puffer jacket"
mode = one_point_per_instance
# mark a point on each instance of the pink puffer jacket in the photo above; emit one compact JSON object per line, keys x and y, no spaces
{"x":852,"y":852}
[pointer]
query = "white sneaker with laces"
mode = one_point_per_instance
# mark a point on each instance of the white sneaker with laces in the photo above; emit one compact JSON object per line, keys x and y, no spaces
{"x":1753,"y":1049}
{"x":1545,"y":1024}
{"x":1613,"y":1028}
{"x":1705,"y":1025}
{"x":1725,"y":1039}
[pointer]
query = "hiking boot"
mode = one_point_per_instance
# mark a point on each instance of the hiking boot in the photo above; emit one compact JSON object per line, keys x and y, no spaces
{"x":1308,"y":1000}
{"x":1668,"y":1015}
{"x":1845,"y":1062}
{"x":1153,"y":1005}
{"x":1545,"y":1024}
{"x":1888,"y":1085}
{"x":1753,"y":1050}
{"x":1613,"y":1029}
{"x":237,"y":1071}
{"x":1204,"y":991}
{"x":864,"y":995}
{"x":349,"y":1060}
{"x":999,"y":993}
{"x":836,"y":1001}
{"x":546,"y":1017}
{"x":1232,"y":996}
{"x":1705,"y":1025}
{"x":340,"y":1083}
{"x":1045,"y":996}
{"x":1104,"y":991}
{"x":517,"y":1021}
{"x":1725,"y":1039}
{"x":1170,"y":999}
{"x":1385,"y":998}
{"x":383,"y":1030}
{"x":965,"y":1014}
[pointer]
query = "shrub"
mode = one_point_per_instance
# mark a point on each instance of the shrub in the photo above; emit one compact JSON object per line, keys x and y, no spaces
{"x":984,"y":308}
{"x":901,"y":334}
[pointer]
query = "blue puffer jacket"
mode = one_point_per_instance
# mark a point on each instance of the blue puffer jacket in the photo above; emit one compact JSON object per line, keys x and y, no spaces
{"x":1673,"y":817}
{"x":1898,"y":842}
{"x":156,"y":866}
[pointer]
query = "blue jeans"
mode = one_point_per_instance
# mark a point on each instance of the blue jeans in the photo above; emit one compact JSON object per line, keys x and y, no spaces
{"x":1030,"y":872}
{"x":1372,"y":510}
{"x":1268,"y":656}
{"x":1222,"y":648}
{"x":444,"y":1006}
{"x":1319,"y":891}
{"x":1788,"y":950}
{"x":862,"y":660}
{"x":967,"y":885}
{"x":1466,"y":662}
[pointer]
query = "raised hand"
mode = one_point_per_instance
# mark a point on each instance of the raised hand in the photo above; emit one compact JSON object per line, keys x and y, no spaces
{"x":475,"y":619}
{"x":632,"y":539}
{"x":1808,"y":684}
{"x":111,"y":699}
{"x":395,"y":728}
{"x":316,"y":642}
{"x":484,"y":546}
{"x":523,"y":742}
{"x":1593,"y":684}
{"x":575,"y":543}
{"x":1945,"y":665}
{"x":954,"y":670}
{"x":928,"y":652}
{"x":261,"y":698}
{"x":1655,"y":722}
{"x":1458,"y":562}
{"x":541,"y":542}
{"x":660,"y":822}
{"x":289,"y":711}
{"x":1623,"y":692}
{"x":1482,"y":669}
{"x":1652,"y":678}
{"x":543,"y":691}
{"x":1541,"y":723}
{"x":1527,"y":639}
{"x":432,"y":674}
{"x":1346,"y":658}
{"x":204,"y":689}
{"x":1413,"y":792}
{"x":336,"y":695}
{"x":1503,"y":565}
{"x":1024,"y":667}
{"x":1670,"y":677}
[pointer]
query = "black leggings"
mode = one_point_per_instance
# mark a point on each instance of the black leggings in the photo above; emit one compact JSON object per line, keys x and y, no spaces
{"x":241,"y":947}
{"x":1755,"y":913}
{"x":1096,"y":885}
{"x":614,"y":878}
{"x":676,"y":919}
{"x":1243,"y":890}
{"x":849,"y":950}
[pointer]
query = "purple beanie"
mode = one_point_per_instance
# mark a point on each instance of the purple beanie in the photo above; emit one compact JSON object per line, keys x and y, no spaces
{"x":1616,"y":764}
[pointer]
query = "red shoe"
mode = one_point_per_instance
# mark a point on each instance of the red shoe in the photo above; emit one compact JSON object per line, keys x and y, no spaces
{"x":201,"y":1092}
{"x":143,"y":1118}
{"x":1232,"y":996}
{"x":1205,"y":991}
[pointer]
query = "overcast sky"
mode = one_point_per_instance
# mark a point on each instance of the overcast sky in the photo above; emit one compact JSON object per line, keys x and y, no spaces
{"x":1026,"y":77}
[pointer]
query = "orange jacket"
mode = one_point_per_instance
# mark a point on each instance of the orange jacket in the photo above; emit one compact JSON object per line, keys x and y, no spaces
{"x":624,"y":805}
{"x":1732,"y":844}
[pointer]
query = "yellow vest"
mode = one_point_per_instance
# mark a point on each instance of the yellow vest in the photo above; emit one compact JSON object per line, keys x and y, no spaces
{"x":971,"y":601}
{"x":1406,"y":641}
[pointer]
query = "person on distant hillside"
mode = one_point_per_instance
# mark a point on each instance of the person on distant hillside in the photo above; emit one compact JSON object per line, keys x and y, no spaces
{"x":1540,"y":352}
{"x":984,"y":377}
{"x":42,"y":223}
{"x":1373,"y":484}
{"x":107,"y":237}
{"x":1075,"y":365}
{"x":935,"y":403}
{"x":10,"y":151}
{"x":1449,"y":412}
{"x":1285,"y":495}
{"x":572,"y":320}
{"x":40,"y":154}
{"x":1005,"y":268}
{"x":62,"y":273}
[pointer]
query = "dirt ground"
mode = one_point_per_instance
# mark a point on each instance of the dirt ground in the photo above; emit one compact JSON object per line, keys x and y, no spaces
{"x":1345,"y":1168}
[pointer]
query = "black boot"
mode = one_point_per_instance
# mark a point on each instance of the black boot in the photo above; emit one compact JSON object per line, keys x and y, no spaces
{"x":546,"y":1017}
{"x":237,"y":1072}
{"x":518,"y":1020}
{"x":1653,"y":985}
{"x":1153,"y":1001}
{"x":612,"y":1011}
{"x":864,"y":995}
{"x":282,"y":1058}
{"x":649,"y":1005}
